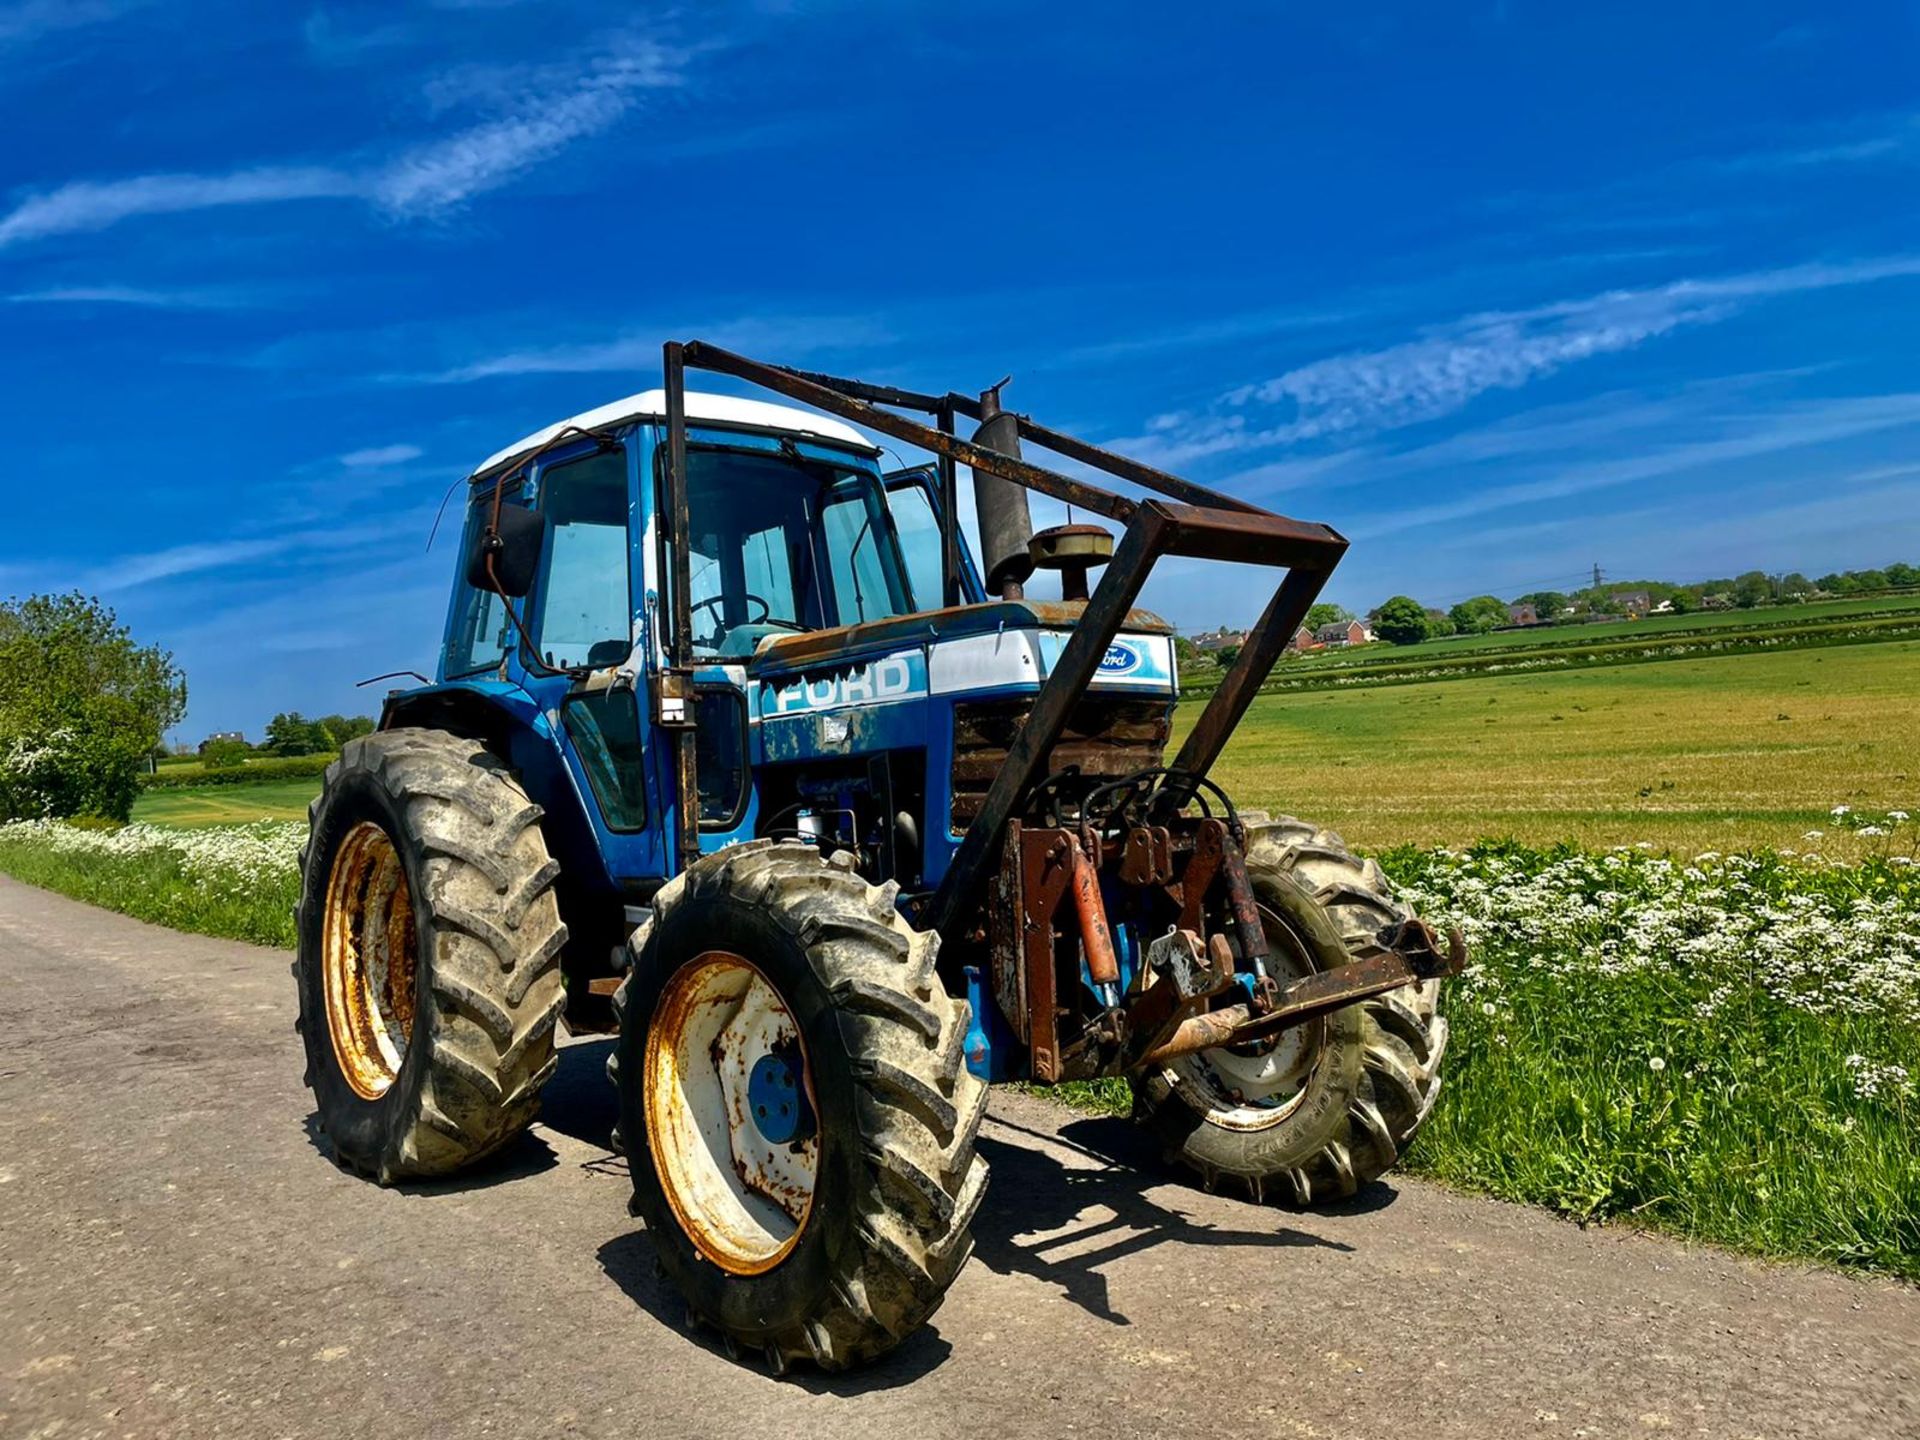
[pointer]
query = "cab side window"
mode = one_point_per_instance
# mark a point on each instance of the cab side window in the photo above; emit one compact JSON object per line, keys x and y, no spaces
{"x":585,"y":605}
{"x":480,"y":635}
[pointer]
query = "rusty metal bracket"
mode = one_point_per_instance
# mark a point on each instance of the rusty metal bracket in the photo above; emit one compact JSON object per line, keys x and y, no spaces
{"x":1312,"y":996}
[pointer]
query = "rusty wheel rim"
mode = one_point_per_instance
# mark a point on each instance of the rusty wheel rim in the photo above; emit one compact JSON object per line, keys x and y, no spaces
{"x":1257,"y":1086}
{"x":730,"y":1113}
{"x":369,"y":957}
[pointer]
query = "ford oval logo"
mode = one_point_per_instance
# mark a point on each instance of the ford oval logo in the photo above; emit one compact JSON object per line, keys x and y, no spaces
{"x":1118,"y":660}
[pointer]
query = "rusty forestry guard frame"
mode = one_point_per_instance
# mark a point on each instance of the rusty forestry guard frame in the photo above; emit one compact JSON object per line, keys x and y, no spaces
{"x":1192,"y":521}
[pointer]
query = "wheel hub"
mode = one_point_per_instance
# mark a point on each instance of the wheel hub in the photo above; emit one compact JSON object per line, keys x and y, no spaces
{"x":730,"y":1112}
{"x":369,"y":959}
{"x":1253,"y":1086}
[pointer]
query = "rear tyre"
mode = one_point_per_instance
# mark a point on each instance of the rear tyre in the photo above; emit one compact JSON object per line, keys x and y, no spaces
{"x":1333,"y":1104}
{"x":428,"y":966}
{"x":795,"y":1106}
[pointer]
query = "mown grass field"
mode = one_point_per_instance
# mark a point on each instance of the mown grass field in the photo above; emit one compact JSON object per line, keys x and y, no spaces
{"x":1721,"y":753}
{"x":227,"y":804}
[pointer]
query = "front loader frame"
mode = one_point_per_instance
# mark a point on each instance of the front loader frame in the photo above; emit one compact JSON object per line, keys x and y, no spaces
{"x":1192,"y":521}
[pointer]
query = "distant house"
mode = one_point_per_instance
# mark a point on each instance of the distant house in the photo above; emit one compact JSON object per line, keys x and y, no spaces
{"x":1632,"y":603}
{"x":217,"y":736}
{"x":1523,"y":614}
{"x":1221,"y":639}
{"x":1302,"y":640}
{"x":1343,"y":632}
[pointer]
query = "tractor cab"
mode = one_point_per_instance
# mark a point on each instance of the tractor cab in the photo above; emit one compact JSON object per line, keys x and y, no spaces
{"x":847,"y":678}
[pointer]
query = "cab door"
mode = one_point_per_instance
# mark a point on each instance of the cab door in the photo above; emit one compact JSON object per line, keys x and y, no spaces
{"x":581,"y":619}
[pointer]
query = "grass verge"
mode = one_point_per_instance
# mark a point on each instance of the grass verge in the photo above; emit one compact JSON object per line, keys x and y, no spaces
{"x":240,"y":882}
{"x":1725,"y":1049}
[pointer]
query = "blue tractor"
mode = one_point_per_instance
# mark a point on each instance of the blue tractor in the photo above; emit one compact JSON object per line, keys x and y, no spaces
{"x":735,"y":753}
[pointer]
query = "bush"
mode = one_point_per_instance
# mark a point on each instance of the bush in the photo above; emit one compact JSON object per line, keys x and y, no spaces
{"x":226,"y":754}
{"x":254,"y":772}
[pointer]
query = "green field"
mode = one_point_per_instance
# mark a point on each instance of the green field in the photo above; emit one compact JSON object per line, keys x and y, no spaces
{"x":227,"y":804}
{"x":1721,"y":753}
{"x":1664,"y":626}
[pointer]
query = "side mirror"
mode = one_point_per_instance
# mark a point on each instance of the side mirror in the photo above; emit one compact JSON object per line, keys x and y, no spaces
{"x":514,"y":550}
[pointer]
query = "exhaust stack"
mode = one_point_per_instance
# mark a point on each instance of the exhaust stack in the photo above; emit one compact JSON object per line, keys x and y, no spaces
{"x":1006,"y":524}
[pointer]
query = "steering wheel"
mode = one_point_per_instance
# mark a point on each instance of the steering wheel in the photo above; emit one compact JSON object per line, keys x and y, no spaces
{"x":713,"y":603}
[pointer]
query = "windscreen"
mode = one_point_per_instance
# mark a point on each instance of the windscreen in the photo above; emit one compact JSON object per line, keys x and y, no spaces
{"x":779,"y":543}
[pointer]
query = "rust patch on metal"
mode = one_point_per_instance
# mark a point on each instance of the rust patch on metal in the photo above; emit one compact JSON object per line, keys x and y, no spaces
{"x":369,"y":958}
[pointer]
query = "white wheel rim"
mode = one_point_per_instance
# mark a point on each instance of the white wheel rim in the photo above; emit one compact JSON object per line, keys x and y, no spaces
{"x":740,"y":1197}
{"x":1259,"y":1089}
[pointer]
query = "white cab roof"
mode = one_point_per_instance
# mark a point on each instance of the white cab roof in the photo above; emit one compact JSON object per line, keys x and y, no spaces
{"x":715,"y":409}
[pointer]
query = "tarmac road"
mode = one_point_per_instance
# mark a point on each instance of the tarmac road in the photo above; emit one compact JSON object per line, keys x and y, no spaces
{"x":177,"y":1258}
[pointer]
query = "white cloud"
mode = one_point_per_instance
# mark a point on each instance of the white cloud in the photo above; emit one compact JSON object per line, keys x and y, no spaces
{"x":127,"y":571}
{"x":30,"y":20}
{"x":128,"y":295}
{"x":426,"y":179}
{"x":571,"y":107}
{"x":380,"y":455}
{"x":1448,"y":366}
{"x":639,"y":352}
{"x":84,"y":205}
{"x":1781,"y":427}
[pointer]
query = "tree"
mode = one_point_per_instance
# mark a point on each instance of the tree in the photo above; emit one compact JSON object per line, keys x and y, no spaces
{"x":1226,"y":655}
{"x":1478,"y":615}
{"x":1752,"y":588}
{"x":1327,"y":613}
{"x":81,"y":706}
{"x":291,"y":733}
{"x":1902,"y":574}
{"x":1189,"y":656}
{"x":1402,"y":620}
{"x":1547,"y":604}
{"x":342,"y":728}
{"x":1794,"y":585}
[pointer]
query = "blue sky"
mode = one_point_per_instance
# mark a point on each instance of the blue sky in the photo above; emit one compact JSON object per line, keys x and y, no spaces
{"x":1500,"y":291}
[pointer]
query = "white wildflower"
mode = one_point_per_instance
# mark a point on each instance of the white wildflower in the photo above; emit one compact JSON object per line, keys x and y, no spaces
{"x":1657,"y":1064}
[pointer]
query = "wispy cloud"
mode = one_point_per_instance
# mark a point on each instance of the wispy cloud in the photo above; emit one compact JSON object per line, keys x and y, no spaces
{"x":84,"y":205}
{"x":330,"y":43}
{"x":639,"y":351}
{"x":1783,"y":427}
{"x":1872,"y":139}
{"x":444,"y":172}
{"x":1448,"y":366}
{"x":30,"y":20}
{"x":425,"y":179}
{"x":127,"y":571}
{"x":377,"y":456}
{"x":138,"y":296}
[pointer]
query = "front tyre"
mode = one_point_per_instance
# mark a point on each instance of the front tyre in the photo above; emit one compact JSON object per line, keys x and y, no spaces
{"x":1328,"y":1106}
{"x":428,"y":966}
{"x":794,"y":1102}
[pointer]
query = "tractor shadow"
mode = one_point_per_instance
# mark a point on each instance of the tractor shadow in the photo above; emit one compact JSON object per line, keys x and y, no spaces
{"x":528,"y":1155}
{"x":577,"y":1102}
{"x":1064,"y":1223}
{"x":629,"y":1262}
